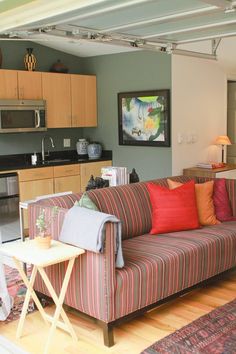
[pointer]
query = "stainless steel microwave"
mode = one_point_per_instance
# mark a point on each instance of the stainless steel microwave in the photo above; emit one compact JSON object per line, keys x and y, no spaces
{"x":22,"y":116}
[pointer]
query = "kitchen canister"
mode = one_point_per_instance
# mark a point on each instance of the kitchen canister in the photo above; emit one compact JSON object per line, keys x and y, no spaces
{"x":82,"y":147}
{"x":94,"y":151}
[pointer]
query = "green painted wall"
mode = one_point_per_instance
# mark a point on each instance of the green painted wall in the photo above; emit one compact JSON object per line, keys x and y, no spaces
{"x":13,"y":57}
{"x":13,"y":54}
{"x":126,"y":72}
{"x":115,"y":73}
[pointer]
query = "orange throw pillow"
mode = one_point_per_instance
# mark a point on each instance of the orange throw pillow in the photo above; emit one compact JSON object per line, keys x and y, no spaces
{"x":204,"y":198}
{"x":173,"y":210}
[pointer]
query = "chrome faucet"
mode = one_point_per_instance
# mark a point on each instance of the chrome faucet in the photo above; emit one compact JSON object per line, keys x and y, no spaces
{"x":43,"y":142}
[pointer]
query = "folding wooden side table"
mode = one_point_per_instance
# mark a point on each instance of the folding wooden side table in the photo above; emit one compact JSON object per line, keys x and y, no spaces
{"x":28,"y":252}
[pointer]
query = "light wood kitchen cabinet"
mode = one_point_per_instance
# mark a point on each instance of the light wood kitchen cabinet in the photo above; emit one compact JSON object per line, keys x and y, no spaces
{"x":20,"y":85}
{"x":57,"y":93}
{"x":8,"y":84}
{"x":30,"y":85}
{"x":67,"y":178}
{"x":33,"y":183}
{"x":91,"y":168}
{"x":83,"y":100}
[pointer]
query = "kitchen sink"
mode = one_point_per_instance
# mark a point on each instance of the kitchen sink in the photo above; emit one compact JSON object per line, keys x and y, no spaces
{"x":56,"y":161}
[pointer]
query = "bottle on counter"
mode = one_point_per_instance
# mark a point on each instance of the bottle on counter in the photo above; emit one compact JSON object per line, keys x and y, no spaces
{"x":34,"y":159}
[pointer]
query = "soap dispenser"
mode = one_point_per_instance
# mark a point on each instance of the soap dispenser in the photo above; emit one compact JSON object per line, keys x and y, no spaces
{"x":34,"y":159}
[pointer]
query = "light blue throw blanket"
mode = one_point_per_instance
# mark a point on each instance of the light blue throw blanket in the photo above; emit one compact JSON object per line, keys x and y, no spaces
{"x":85,"y":228}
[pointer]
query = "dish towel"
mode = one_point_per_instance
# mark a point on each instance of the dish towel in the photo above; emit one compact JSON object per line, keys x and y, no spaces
{"x":85,"y":228}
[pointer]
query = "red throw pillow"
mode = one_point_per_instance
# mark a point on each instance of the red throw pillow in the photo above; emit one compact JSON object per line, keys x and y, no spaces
{"x":221,"y":201}
{"x":173,"y":210}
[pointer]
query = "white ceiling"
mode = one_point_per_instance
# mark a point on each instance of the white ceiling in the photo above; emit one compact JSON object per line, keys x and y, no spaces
{"x":98,"y":27}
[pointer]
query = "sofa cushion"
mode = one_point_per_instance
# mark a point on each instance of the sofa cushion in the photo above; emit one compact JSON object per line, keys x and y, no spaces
{"x":221,"y":201}
{"x":86,"y":202}
{"x":156,"y":267}
{"x":173,"y":210}
{"x":204,"y":198}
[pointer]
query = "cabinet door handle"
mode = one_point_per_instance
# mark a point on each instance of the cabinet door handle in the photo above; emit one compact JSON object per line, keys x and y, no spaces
{"x":20,"y":92}
{"x":69,"y":170}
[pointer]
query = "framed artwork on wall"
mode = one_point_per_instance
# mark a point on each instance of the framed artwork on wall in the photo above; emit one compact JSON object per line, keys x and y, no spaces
{"x":144,"y":118}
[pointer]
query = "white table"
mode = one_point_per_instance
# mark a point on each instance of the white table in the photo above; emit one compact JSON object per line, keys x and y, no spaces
{"x":28,"y":252}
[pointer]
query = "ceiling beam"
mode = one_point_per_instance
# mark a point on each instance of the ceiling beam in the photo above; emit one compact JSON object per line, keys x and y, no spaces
{"x":104,"y":10}
{"x":190,"y":53}
{"x":168,"y":18}
{"x":207,"y":37}
{"x":219,"y":3}
{"x":190,"y":29}
{"x":40,"y":10}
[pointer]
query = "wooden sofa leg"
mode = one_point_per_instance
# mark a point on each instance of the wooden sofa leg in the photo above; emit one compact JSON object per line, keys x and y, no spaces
{"x":108,"y":336}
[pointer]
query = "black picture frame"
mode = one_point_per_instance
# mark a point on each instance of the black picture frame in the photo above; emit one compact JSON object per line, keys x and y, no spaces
{"x":144,"y":118}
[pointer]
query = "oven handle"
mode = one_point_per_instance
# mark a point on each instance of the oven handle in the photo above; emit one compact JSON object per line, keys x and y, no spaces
{"x":37,"y":118}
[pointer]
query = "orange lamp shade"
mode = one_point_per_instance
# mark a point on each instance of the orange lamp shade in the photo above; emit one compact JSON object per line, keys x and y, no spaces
{"x":222,"y":140}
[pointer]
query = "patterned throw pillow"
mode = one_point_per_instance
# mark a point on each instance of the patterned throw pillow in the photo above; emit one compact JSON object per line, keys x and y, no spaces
{"x":173,"y":210}
{"x":86,"y":202}
{"x":221,"y":201}
{"x":204,"y":198}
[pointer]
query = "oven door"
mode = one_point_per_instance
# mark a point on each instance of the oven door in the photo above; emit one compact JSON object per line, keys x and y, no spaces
{"x":9,"y":207}
{"x":9,"y":219}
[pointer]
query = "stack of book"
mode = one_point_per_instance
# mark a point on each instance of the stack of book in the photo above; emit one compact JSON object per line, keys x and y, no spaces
{"x":115,"y":175}
{"x":211,"y":164}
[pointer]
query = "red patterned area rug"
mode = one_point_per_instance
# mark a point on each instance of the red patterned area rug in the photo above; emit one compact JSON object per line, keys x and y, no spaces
{"x":17,"y":291}
{"x":214,"y":333}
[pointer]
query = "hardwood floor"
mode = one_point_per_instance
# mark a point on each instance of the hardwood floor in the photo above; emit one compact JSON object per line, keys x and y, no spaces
{"x":132,"y":337}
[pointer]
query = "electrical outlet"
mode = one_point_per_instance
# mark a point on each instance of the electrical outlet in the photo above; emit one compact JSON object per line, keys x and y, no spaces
{"x":66,"y":143}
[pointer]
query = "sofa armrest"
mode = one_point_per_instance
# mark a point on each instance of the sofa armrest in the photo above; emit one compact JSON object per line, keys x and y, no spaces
{"x":93,"y":288}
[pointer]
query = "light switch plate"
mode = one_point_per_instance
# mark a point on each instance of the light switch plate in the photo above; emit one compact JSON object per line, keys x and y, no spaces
{"x":66,"y":142}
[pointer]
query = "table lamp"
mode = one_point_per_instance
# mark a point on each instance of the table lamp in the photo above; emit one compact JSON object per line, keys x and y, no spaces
{"x":222,"y":140}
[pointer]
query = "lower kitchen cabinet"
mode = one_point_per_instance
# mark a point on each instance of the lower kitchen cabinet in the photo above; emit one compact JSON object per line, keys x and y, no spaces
{"x":33,"y":183}
{"x":92,"y":168}
{"x":67,"y":178}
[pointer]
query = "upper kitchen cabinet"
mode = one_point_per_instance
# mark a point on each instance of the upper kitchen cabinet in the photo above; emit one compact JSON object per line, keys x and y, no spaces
{"x":57,"y":93}
{"x":20,"y":85}
{"x":30,"y":85}
{"x":84,"y":100}
{"x":8,"y":84}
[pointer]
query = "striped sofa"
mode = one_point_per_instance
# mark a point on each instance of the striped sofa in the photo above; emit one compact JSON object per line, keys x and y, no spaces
{"x":156,"y":267}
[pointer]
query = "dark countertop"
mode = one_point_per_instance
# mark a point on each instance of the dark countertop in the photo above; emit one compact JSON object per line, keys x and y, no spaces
{"x":56,"y":158}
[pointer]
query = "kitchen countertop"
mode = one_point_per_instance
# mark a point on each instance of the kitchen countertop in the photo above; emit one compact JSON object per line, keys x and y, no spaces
{"x":56,"y":158}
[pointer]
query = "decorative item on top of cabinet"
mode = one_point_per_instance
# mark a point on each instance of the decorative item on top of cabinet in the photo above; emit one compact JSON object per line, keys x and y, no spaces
{"x":30,"y":60}
{"x":59,"y":67}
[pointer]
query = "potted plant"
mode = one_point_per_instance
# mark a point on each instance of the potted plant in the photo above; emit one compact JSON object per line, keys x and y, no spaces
{"x":43,"y":239}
